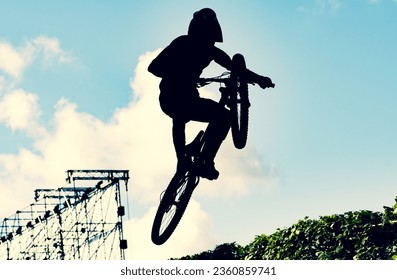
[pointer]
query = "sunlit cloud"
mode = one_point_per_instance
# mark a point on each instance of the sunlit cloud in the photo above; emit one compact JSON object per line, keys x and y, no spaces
{"x":321,"y":6}
{"x":11,"y":61}
{"x":50,"y":49}
{"x":2,"y":83}
{"x":14,"y":61}
{"x":193,"y":235}
{"x":19,"y":110}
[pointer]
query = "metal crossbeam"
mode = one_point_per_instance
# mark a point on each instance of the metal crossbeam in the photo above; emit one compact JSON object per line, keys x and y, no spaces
{"x":76,"y":175}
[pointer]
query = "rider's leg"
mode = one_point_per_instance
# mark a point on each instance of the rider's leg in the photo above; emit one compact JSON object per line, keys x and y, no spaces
{"x":178,"y":136}
{"x":218,"y":126}
{"x":217,"y":131}
{"x":202,"y":110}
{"x":179,"y":119}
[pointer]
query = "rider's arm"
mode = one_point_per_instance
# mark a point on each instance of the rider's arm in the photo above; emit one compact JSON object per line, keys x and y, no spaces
{"x":224,"y":60}
{"x":262,"y":81}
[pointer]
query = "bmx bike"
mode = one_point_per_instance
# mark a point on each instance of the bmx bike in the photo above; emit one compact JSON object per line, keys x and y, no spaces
{"x":174,"y":200}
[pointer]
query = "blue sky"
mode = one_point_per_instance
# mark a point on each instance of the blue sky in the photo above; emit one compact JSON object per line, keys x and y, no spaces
{"x":321,"y":142}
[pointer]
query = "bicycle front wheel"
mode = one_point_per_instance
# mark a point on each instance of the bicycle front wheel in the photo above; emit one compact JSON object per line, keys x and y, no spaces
{"x":239,"y":104}
{"x":172,"y":206}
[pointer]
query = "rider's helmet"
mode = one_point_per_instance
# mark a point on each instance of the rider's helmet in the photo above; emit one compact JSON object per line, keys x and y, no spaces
{"x":205,"y":25}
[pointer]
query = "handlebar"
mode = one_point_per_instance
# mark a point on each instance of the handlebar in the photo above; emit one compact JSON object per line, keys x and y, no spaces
{"x":222,"y":79}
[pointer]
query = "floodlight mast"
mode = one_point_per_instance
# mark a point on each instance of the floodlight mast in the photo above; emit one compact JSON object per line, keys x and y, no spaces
{"x":78,"y":221}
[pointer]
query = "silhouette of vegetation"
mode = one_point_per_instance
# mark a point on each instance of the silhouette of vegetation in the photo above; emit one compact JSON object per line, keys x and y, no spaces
{"x":363,"y":235}
{"x":226,"y":251}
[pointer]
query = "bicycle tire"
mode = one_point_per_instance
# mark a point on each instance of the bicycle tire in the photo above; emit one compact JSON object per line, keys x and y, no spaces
{"x":172,"y":206}
{"x":239,"y":105}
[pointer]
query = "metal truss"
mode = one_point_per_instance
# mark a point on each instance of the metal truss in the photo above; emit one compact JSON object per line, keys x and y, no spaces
{"x":80,"y":221}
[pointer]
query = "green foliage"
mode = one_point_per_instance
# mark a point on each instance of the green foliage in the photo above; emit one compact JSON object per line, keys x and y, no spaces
{"x":362,"y":235}
{"x":226,"y":251}
{"x":353,"y":235}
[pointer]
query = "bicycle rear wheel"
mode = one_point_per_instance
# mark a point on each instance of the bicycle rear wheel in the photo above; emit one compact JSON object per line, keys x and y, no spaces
{"x":239,"y":103}
{"x":172,"y":205}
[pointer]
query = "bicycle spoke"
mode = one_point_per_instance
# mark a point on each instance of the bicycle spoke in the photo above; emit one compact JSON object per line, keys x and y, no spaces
{"x":172,"y":206}
{"x":166,"y":222}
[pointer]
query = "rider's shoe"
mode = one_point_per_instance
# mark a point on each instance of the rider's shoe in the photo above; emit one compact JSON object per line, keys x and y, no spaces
{"x":207,"y":170}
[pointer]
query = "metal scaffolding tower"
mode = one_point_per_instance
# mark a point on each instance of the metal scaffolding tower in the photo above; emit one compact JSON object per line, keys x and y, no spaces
{"x":81,"y":221}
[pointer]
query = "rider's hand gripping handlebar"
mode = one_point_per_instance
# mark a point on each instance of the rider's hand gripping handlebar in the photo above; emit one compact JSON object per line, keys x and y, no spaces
{"x":265,"y":82}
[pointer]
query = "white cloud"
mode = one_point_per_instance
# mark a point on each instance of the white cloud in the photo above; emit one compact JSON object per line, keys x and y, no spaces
{"x":11,"y":61}
{"x":19,"y":110}
{"x":14,"y":61}
{"x":2,"y":83}
{"x":50,"y":49}
{"x":138,"y":138}
{"x":321,"y":6}
{"x":334,"y":5}
{"x":193,"y":235}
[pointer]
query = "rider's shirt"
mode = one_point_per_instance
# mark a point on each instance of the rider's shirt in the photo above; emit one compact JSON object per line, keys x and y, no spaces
{"x":180,"y":65}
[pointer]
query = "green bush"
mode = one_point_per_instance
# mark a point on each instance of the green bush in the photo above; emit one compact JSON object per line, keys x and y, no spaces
{"x":226,"y":251}
{"x":355,"y":235}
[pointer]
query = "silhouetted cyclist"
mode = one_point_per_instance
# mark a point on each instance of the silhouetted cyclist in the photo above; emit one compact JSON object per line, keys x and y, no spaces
{"x":180,"y":65}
